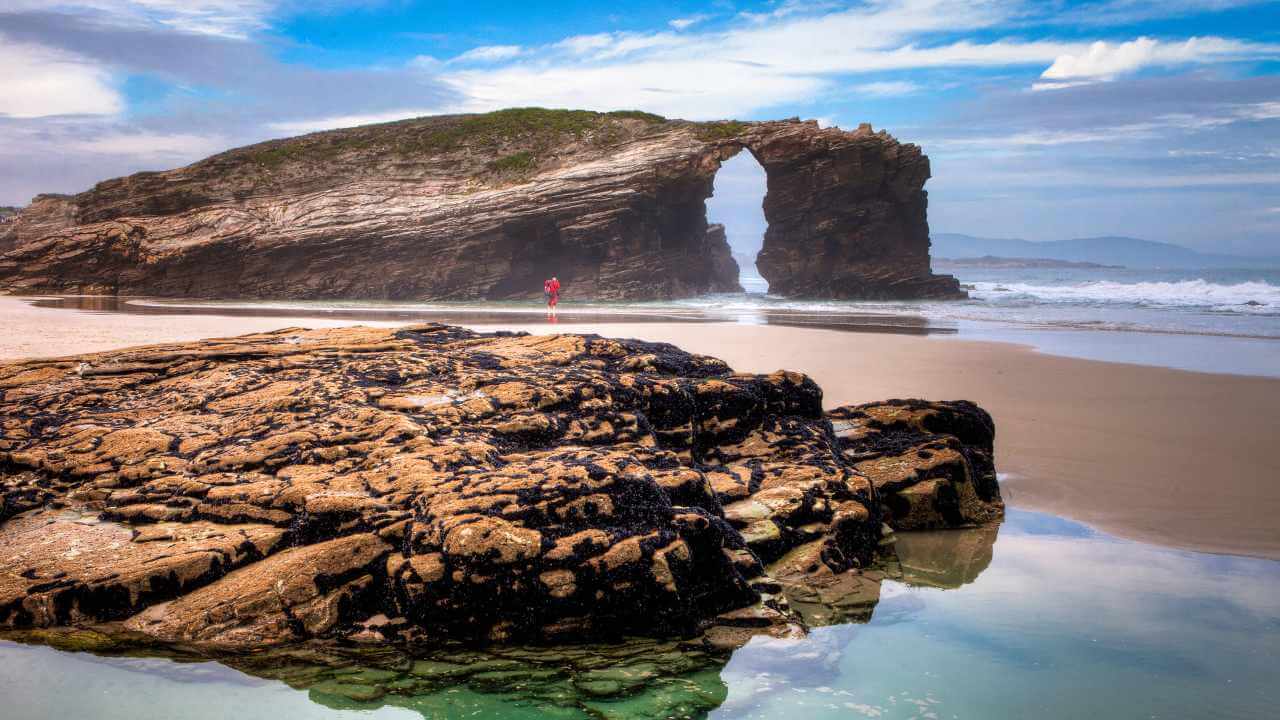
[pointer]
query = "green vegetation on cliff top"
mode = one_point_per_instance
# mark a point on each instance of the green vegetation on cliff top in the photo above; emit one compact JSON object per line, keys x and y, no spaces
{"x":532,"y":130}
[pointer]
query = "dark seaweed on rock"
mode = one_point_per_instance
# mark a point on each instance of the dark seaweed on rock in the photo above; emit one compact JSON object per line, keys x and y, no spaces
{"x":432,"y":482}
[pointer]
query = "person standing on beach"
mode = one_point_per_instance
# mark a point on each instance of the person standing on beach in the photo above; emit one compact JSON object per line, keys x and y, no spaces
{"x":551,"y":289}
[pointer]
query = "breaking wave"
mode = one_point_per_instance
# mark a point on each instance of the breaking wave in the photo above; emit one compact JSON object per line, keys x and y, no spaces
{"x":1253,"y":297}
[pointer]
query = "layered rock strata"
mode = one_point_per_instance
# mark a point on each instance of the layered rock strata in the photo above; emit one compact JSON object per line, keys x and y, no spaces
{"x":486,"y":207}
{"x":431,"y":482}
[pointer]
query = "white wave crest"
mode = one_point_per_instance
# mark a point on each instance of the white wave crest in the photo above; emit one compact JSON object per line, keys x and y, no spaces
{"x":1245,"y":297}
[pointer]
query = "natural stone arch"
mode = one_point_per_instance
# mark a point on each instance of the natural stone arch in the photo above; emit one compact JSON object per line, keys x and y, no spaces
{"x":846,"y":213}
{"x":617,"y":206}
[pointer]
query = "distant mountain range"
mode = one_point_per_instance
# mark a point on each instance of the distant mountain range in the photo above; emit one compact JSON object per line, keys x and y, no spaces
{"x":1126,"y":251}
{"x":992,"y":261}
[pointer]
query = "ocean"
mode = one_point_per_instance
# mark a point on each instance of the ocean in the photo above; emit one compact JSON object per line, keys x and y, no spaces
{"x":1225,"y":321}
{"x":1214,"y":320}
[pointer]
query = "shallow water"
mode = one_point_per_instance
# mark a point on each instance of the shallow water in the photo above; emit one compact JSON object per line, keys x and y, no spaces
{"x":1181,"y":324}
{"x":1053,"y":620}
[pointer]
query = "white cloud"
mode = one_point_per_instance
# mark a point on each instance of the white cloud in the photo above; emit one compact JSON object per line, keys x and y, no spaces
{"x":705,"y":77}
{"x":36,"y":81}
{"x":607,"y":46}
{"x":1104,"y":61}
{"x":1059,"y":85}
{"x":226,"y":18}
{"x":798,"y":52}
{"x":685,"y":23}
{"x":788,"y":57}
{"x":426,"y":63}
{"x":1063,"y":179}
{"x":309,"y":125}
{"x":1260,"y":111}
{"x":1044,"y":138}
{"x":1157,"y":126}
{"x":585,"y":44}
{"x":489,"y":54}
{"x":788,"y":8}
{"x":231,"y":18}
{"x":151,"y":145}
{"x":694,"y":89}
{"x":887,"y":89}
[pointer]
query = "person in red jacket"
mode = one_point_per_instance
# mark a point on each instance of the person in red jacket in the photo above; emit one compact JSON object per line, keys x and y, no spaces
{"x":551,"y":289}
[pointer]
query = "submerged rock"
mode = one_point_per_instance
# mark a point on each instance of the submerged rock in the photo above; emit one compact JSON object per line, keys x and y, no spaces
{"x":431,"y":482}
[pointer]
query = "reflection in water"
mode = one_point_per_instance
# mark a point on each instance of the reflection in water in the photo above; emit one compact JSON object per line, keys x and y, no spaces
{"x":499,"y":312}
{"x":641,"y":678}
{"x":1054,"y":621}
{"x":946,"y":558}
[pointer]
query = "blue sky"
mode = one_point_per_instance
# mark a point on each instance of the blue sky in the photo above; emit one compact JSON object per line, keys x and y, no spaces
{"x":1043,"y":120}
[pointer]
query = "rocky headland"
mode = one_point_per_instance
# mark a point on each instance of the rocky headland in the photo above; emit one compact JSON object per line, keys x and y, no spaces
{"x":431,"y":484}
{"x":471,"y":207}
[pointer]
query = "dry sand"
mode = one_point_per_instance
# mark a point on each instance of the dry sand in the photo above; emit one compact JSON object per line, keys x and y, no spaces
{"x":1171,"y":457}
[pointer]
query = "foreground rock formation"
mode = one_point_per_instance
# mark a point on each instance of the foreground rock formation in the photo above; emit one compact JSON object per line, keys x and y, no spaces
{"x":631,"y":678}
{"x":487,"y":207}
{"x":431,"y":482}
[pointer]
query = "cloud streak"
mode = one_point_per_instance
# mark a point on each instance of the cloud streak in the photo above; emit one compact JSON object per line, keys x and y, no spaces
{"x":236,"y":19}
{"x":39,"y":81}
{"x":1102,"y":61}
{"x":796,"y":55}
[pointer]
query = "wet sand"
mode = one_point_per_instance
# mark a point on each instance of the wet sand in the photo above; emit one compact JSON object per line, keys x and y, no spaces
{"x":1166,"y":456}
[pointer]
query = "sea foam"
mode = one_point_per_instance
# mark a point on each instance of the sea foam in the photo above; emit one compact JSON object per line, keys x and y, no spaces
{"x":1254,"y":297}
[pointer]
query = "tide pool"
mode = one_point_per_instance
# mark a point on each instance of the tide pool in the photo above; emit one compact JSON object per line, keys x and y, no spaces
{"x":1041,"y":618}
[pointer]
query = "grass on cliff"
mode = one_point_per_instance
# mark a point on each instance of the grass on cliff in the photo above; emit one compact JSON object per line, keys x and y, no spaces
{"x":531,"y":129}
{"x":722,"y":130}
{"x":515,"y":163}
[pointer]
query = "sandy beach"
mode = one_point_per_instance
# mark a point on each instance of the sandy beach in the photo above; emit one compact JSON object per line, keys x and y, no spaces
{"x":1166,"y":456}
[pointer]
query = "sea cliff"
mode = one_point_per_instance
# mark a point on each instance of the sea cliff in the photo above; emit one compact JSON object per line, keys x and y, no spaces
{"x":485,"y":207}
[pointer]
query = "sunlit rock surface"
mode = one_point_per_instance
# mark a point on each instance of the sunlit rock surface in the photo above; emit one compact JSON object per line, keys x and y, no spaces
{"x":468,"y":207}
{"x":431,"y":482}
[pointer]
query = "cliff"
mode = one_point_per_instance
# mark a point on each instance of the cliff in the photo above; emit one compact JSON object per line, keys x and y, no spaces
{"x":485,"y":207}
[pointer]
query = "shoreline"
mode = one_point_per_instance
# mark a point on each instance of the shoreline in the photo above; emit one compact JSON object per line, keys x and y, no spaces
{"x":1171,"y":457}
{"x":1255,"y":355}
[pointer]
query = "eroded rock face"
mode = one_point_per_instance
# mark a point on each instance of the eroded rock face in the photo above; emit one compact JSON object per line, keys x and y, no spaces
{"x":432,"y":482}
{"x":932,"y":464}
{"x":847,"y":215}
{"x":487,"y":207}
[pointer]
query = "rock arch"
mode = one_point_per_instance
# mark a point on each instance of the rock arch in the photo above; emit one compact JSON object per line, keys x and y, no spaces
{"x":846,"y":213}
{"x":615,"y":205}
